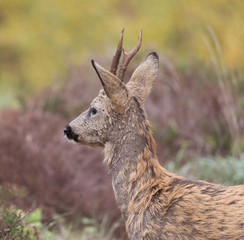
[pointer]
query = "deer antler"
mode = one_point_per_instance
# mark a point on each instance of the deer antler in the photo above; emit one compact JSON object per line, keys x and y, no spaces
{"x":128,"y":56}
{"x":115,"y":61}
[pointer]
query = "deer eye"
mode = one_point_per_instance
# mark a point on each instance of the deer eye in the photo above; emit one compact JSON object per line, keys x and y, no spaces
{"x":92,"y":111}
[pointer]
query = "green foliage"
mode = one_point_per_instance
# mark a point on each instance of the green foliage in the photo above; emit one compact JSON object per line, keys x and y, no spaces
{"x":15,"y":224}
{"x":35,"y":227}
{"x":11,"y":225}
{"x":228,"y":171}
{"x":34,"y":218}
{"x":11,"y":218}
{"x":94,"y":230}
{"x":18,"y":225}
{"x":39,"y":39}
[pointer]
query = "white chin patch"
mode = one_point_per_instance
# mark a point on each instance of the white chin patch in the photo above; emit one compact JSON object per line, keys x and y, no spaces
{"x":73,"y":141}
{"x":70,"y":140}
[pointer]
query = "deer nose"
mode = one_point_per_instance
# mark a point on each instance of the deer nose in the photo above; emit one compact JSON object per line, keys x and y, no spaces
{"x":69,"y":133}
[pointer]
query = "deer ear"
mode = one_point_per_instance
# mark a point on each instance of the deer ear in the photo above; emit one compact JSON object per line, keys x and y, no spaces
{"x":144,"y":78}
{"x":114,"y":88}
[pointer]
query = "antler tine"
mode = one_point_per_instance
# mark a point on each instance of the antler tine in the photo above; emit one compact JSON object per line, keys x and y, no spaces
{"x":128,"y":56}
{"x":115,"y":61}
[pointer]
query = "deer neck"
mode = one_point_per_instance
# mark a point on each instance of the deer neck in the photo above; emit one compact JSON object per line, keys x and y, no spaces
{"x":132,"y":163}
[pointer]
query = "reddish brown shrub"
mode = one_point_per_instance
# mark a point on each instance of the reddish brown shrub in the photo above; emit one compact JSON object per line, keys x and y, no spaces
{"x":58,"y":176}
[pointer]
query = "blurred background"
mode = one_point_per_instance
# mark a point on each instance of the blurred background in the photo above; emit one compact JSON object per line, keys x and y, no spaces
{"x":50,"y":189}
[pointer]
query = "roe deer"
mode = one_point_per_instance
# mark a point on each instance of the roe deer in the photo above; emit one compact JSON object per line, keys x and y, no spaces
{"x":154,"y":203}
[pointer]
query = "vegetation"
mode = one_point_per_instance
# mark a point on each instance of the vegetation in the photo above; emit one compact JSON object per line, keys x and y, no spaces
{"x":226,"y":171}
{"x":40,"y":39}
{"x":51,"y":190}
{"x":17,"y":225}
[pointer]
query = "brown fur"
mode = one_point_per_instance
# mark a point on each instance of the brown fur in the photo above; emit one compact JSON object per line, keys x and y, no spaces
{"x":155,"y":204}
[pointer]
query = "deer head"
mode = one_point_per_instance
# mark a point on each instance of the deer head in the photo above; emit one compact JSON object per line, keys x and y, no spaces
{"x":118,"y":105}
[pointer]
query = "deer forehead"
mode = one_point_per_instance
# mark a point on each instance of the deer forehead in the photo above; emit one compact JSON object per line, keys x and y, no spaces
{"x":101,"y":101}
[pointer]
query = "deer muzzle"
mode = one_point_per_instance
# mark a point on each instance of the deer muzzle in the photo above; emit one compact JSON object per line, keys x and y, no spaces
{"x":68,"y":132}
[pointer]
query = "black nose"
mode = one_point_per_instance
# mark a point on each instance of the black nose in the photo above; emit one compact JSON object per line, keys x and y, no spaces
{"x":70,"y":134}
